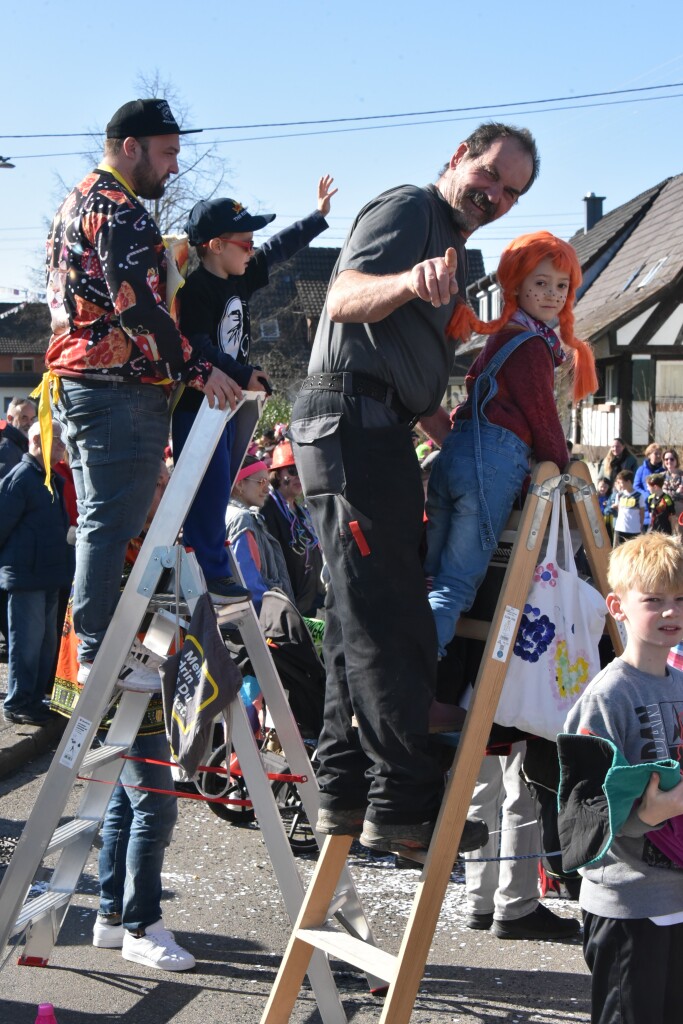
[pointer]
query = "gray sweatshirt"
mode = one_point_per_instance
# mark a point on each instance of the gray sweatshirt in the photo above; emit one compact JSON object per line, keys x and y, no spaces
{"x":643,"y":716}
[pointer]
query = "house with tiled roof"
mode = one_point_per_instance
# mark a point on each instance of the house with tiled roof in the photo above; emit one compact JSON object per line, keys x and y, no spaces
{"x":24,"y":336}
{"x":632,"y":312}
{"x":630,"y":307}
{"x":285,"y":314}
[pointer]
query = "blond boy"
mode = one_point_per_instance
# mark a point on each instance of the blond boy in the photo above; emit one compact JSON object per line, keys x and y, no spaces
{"x":630,"y":507}
{"x":632,"y":897}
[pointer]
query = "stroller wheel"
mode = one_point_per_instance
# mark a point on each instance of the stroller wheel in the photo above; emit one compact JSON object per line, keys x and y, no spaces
{"x":231,"y":786}
{"x":299,"y":832}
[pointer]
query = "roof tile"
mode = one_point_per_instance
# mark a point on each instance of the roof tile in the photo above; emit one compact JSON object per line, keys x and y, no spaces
{"x":610,"y":301}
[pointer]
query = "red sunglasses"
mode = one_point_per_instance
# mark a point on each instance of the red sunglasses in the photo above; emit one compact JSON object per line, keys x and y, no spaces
{"x":247,"y":246}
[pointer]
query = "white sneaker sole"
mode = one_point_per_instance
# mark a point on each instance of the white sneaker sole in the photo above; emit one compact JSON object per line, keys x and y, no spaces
{"x":138,"y":958}
{"x":108,"y":942}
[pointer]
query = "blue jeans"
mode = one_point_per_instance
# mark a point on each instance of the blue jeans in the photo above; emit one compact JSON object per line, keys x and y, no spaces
{"x":136,"y":830}
{"x":116,"y":435}
{"x":204,"y":526}
{"x":456,"y":556}
{"x":32,"y":642}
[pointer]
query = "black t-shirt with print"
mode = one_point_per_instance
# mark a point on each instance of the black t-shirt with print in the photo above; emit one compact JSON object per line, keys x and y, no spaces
{"x":214,"y":311}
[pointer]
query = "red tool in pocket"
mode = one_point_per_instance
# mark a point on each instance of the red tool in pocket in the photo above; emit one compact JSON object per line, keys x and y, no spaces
{"x":359,"y":537}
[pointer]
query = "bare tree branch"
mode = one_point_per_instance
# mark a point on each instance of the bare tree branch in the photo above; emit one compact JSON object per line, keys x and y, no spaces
{"x":203,"y":172}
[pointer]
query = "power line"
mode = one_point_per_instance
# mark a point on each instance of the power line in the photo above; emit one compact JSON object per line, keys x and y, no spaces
{"x":443,"y":120}
{"x":379,"y":117}
{"x":283,"y":215}
{"x":365,"y":128}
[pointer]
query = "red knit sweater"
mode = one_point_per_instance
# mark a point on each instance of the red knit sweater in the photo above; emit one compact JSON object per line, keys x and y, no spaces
{"x":525,"y":401}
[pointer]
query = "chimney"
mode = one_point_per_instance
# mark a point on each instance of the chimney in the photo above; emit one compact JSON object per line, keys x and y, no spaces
{"x":593,"y":210}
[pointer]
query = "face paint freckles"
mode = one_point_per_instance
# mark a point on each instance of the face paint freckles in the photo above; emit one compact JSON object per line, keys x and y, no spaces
{"x":543,"y":293}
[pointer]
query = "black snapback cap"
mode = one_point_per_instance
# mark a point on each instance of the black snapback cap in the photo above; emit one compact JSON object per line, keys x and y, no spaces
{"x":210,"y":218}
{"x":145,"y":117}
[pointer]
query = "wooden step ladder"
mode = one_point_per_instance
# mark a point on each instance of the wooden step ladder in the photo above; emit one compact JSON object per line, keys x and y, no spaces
{"x":314,"y":929}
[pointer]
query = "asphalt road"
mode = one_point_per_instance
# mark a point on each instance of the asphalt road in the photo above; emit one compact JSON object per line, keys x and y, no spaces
{"x":222,"y":901}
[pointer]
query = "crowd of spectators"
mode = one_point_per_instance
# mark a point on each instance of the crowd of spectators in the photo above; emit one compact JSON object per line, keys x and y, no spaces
{"x":350,"y":438}
{"x":643,"y":497}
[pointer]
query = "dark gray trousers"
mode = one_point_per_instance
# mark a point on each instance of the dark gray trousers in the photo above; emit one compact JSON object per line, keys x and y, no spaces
{"x":362,"y":483}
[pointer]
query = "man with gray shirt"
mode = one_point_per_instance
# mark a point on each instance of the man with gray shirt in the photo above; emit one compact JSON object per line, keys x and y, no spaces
{"x":381,"y":360}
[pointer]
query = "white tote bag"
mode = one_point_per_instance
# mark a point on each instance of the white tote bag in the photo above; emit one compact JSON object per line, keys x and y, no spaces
{"x":555,"y":654}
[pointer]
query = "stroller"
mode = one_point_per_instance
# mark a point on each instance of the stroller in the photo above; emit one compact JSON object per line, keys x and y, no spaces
{"x":302,"y":674}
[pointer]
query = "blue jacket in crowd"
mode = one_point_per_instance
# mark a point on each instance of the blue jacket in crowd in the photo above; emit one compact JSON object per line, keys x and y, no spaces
{"x":13,"y":444}
{"x":645,"y":470}
{"x":34,"y":553}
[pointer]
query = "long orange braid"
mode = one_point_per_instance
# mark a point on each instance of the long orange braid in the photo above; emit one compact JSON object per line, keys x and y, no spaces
{"x":519,"y":259}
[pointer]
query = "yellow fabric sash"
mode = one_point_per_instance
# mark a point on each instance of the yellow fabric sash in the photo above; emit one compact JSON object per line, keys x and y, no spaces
{"x":46,"y":390}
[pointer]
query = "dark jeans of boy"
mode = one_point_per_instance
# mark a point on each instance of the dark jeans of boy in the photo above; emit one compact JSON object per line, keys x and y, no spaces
{"x":362,"y":483}
{"x":136,"y":830}
{"x":204,"y":526}
{"x":635,"y":970}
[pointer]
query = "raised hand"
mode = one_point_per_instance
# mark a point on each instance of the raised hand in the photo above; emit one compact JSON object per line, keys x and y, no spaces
{"x":325,"y":193}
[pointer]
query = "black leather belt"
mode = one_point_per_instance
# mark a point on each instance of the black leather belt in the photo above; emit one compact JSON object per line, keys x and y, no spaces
{"x":358,"y":385}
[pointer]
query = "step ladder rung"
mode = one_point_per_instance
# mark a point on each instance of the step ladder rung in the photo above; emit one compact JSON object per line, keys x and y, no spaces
{"x":232,"y":612}
{"x":345,"y":947}
{"x":164,"y":602}
{"x":473,"y":629}
{"x":338,"y":902}
{"x":66,"y":834}
{"x":103,"y":755}
{"x":40,"y":907}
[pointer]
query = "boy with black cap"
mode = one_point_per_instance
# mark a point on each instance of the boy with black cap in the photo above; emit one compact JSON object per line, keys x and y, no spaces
{"x":214,"y":315}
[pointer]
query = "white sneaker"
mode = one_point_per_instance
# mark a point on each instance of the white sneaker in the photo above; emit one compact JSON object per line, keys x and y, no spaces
{"x":140,"y":670}
{"x":157,"y":948}
{"x":106,"y":935}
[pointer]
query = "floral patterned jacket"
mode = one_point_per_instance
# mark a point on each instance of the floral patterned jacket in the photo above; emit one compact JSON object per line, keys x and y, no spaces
{"x":106,"y":289}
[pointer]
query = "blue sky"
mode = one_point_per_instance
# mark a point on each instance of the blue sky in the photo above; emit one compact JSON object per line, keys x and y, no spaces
{"x":67,"y":67}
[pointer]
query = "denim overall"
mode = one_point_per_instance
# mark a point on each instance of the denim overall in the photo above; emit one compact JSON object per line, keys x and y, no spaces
{"x":476,"y":479}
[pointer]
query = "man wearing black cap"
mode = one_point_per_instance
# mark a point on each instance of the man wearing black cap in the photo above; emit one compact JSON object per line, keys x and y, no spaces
{"x":116,"y":349}
{"x":114,"y":346}
{"x":214,"y":315}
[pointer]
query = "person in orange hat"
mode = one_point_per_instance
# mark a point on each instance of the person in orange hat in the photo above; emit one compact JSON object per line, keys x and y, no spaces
{"x":290,"y":523}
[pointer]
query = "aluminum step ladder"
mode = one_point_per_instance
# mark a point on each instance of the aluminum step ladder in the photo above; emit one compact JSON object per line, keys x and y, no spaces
{"x":314,"y":930}
{"x":38,"y":921}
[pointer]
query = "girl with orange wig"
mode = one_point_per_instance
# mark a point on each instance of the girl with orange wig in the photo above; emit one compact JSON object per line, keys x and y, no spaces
{"x":510,"y":415}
